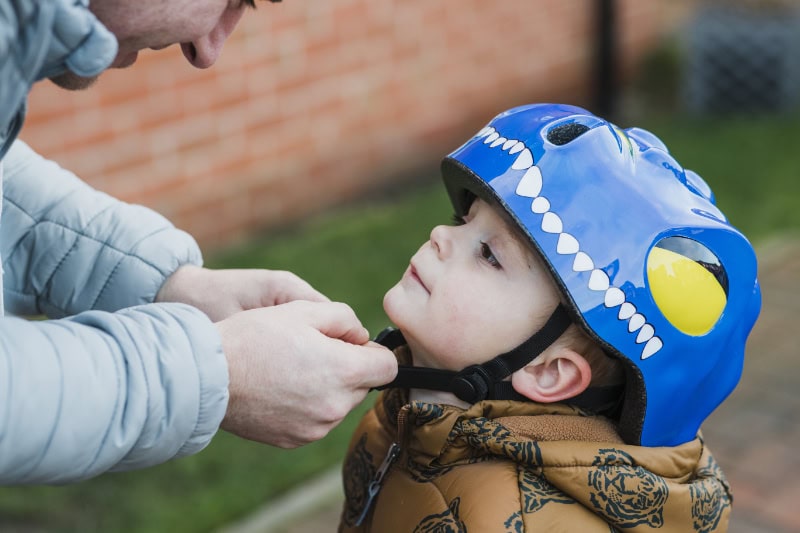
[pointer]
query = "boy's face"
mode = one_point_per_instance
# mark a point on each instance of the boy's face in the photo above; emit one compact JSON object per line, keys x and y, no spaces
{"x":472,"y":292}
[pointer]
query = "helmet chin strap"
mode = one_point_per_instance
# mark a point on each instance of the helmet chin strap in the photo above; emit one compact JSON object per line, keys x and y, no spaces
{"x":486,"y":381}
{"x":479,"y":382}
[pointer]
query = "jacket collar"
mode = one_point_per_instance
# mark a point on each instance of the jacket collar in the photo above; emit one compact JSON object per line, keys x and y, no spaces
{"x":436,"y":437}
{"x":71,"y":38}
{"x":46,"y":39}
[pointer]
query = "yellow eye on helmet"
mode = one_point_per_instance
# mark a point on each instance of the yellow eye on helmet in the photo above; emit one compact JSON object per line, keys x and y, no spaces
{"x":688,"y":283}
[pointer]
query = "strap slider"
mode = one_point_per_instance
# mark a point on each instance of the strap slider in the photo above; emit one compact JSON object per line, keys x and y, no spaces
{"x":471,"y":384}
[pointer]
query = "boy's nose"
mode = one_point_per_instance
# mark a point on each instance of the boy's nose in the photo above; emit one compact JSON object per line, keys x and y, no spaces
{"x":204,"y":52}
{"x":441,"y":241}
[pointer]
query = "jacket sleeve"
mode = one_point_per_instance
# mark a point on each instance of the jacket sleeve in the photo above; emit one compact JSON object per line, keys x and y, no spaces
{"x":100,"y":390}
{"x":68,"y":248}
{"x":107,"y":391}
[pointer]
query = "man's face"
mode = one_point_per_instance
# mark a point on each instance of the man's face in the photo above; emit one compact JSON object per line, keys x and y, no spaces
{"x":199,"y":26}
{"x":472,"y":292}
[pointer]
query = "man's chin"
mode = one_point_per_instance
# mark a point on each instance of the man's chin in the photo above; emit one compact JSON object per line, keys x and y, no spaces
{"x":73,"y":82}
{"x":125,"y":60}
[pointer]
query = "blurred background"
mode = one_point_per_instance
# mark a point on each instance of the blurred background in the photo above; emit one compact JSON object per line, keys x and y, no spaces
{"x":313,"y":145}
{"x":313,"y":104}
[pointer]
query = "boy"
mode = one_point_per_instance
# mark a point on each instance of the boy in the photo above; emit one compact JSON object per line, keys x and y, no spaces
{"x":568,"y":337}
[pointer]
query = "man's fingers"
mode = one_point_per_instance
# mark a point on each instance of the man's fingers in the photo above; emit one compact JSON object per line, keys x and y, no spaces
{"x":271,"y":351}
{"x":291,"y":287}
{"x":333,"y":319}
{"x":302,"y":290}
{"x":369,"y":364}
{"x":376,"y":365}
{"x":361,"y":363}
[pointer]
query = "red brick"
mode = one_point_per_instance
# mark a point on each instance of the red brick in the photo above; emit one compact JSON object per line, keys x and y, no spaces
{"x":353,"y":84}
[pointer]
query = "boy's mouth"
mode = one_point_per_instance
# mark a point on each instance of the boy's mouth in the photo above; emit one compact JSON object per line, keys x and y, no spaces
{"x":412,"y":271}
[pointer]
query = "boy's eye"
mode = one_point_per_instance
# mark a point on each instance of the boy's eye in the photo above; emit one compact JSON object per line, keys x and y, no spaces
{"x":688,"y":283}
{"x":488,"y":255}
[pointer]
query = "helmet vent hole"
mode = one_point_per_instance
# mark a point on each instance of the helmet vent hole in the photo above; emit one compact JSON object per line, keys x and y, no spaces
{"x":566,"y":133}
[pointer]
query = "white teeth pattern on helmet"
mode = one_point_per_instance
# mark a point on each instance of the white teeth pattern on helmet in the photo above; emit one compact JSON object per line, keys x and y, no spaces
{"x":614,"y":297}
{"x":524,"y":160}
{"x":567,"y":244}
{"x":636,"y":322}
{"x":626,"y":311}
{"x":540,"y":205}
{"x":598,"y":280}
{"x":645,"y":334}
{"x":652,"y":346}
{"x":498,"y":142}
{"x":551,"y":223}
{"x":530,"y":186}
{"x":531,"y":183}
{"x":582,"y":263}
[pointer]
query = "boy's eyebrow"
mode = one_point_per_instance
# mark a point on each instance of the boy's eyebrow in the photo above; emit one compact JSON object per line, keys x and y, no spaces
{"x":510,"y":244}
{"x":520,"y":242}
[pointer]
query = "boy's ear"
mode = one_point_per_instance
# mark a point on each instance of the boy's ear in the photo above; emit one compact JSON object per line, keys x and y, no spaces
{"x":555,"y":375}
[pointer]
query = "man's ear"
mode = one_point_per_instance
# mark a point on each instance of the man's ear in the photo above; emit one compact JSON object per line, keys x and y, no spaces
{"x":555,"y":375}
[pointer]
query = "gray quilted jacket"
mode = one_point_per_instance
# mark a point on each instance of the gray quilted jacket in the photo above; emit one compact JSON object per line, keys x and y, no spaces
{"x":111,"y":381}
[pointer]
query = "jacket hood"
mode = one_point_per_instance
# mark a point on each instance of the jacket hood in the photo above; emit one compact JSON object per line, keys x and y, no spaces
{"x":565,"y":468}
{"x":46,"y":39}
{"x":580,"y":458}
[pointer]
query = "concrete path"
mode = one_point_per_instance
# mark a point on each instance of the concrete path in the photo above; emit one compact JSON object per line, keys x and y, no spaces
{"x":754,"y":435}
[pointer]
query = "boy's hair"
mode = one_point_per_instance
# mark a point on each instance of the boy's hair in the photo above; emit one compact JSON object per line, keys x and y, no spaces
{"x":605,"y":369}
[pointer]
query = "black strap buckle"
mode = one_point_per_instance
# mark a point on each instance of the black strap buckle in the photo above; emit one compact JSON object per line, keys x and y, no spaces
{"x":390,"y":338}
{"x":472,"y":384}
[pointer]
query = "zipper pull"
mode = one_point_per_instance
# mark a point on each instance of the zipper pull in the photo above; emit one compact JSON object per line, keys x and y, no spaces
{"x":375,"y":485}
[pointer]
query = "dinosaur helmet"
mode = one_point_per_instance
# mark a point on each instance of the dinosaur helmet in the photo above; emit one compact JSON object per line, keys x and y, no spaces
{"x":647,"y":264}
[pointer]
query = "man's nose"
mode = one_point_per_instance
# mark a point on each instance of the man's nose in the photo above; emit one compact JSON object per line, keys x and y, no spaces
{"x":203,"y":52}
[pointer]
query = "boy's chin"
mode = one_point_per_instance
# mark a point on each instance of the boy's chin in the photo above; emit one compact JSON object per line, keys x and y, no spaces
{"x":392,"y":305}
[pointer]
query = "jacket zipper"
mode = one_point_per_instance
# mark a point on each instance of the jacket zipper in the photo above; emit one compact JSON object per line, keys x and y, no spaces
{"x":391,"y":456}
{"x":375,"y":485}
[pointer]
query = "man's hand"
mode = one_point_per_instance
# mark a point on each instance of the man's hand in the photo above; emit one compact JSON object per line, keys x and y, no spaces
{"x":221,"y":293}
{"x":297,"y":369}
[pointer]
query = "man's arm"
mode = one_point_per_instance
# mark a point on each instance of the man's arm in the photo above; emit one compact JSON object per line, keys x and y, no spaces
{"x":68,"y":248}
{"x":65,"y":252}
{"x":107,"y":391}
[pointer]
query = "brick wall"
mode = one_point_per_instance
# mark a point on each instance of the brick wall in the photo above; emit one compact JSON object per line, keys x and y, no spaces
{"x":314,"y":102}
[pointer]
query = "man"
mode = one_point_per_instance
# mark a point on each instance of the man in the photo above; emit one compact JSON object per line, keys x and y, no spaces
{"x":125,"y":374}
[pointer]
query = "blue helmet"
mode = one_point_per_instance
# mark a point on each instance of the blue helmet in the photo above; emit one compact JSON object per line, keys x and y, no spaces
{"x":648,"y":265}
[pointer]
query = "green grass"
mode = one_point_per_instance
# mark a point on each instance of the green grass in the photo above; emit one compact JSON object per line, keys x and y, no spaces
{"x":354,"y":255}
{"x":752,"y":164}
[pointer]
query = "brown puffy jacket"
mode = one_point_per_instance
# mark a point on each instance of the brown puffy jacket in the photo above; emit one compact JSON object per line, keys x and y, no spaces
{"x":504,"y":466}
